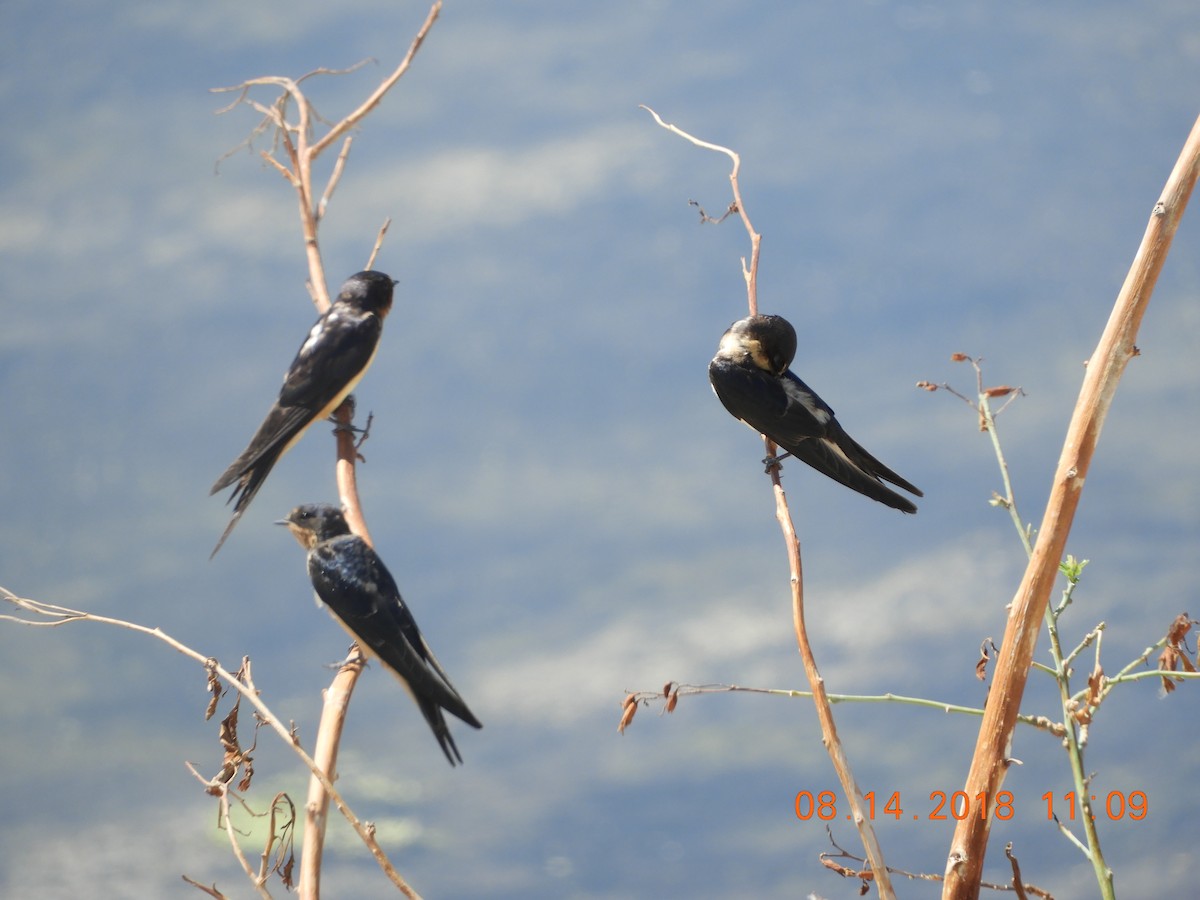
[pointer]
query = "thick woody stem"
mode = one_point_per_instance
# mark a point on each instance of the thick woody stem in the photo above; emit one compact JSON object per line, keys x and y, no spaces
{"x":964,"y":865}
{"x":325,"y":753}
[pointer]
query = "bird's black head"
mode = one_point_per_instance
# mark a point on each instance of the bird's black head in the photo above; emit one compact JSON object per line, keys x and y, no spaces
{"x":769,"y":342}
{"x":315,"y":522}
{"x":369,"y":291}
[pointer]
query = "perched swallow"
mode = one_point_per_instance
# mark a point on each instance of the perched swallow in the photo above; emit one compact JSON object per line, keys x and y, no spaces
{"x":351,"y":579}
{"x":328,"y":366}
{"x":750,"y":376}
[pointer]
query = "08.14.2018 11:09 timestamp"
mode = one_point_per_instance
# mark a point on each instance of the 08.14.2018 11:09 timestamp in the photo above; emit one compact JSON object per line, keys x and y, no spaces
{"x":958,"y":805}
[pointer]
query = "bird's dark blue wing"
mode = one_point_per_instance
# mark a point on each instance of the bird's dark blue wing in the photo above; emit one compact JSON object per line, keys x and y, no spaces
{"x":844,"y":460}
{"x":328,"y":365}
{"x":784,"y":409}
{"x":750,"y":375}
{"x":791,"y":414}
{"x":337,"y":351}
{"x":353,"y":582}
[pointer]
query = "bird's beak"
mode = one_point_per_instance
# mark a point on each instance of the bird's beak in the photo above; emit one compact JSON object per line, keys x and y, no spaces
{"x":283,"y":521}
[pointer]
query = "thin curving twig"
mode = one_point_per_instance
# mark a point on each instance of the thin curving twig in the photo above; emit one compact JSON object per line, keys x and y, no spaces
{"x":833,"y":744}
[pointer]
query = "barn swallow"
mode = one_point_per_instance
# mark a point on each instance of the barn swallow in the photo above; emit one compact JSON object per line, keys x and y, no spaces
{"x":750,"y":376}
{"x":351,"y":579}
{"x":335,"y":355}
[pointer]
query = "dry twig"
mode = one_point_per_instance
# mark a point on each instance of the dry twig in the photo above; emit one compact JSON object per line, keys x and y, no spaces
{"x":300,"y":154}
{"x":1020,"y":888}
{"x":750,"y":272}
{"x":673,"y":690}
{"x":824,"y":711}
{"x":51,"y":615}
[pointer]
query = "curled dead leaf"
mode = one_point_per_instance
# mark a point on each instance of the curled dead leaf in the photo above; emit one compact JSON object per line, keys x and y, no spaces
{"x":247,"y":774}
{"x":287,"y":872}
{"x":984,"y":656}
{"x":844,"y":871}
{"x":630,"y":711}
{"x":213,"y":687}
{"x":1095,"y":683}
{"x":1169,"y":658}
{"x":1174,"y":655}
{"x":1179,"y":629}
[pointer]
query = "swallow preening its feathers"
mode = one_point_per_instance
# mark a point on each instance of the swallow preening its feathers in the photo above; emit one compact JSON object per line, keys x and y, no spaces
{"x":338,"y":350}
{"x":750,"y":376}
{"x":351,"y":579}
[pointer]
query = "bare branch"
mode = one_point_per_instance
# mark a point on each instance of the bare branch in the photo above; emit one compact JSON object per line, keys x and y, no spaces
{"x":829,"y":733}
{"x":827,"y":860}
{"x":749,"y":273}
{"x":301,"y":154}
{"x":211,"y":891}
{"x":324,"y":71}
{"x":334,"y":178}
{"x":280,"y":168}
{"x":674,"y":690}
{"x":383,"y":230}
{"x":346,"y":471}
{"x":329,"y":735}
{"x":221,"y":791}
{"x":371,"y":102}
{"x":61,"y":615}
{"x":964,"y":866}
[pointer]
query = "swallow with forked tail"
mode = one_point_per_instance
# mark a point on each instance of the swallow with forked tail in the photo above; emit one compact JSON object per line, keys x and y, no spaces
{"x":750,"y":376}
{"x":351,"y":579}
{"x":331,"y":361}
